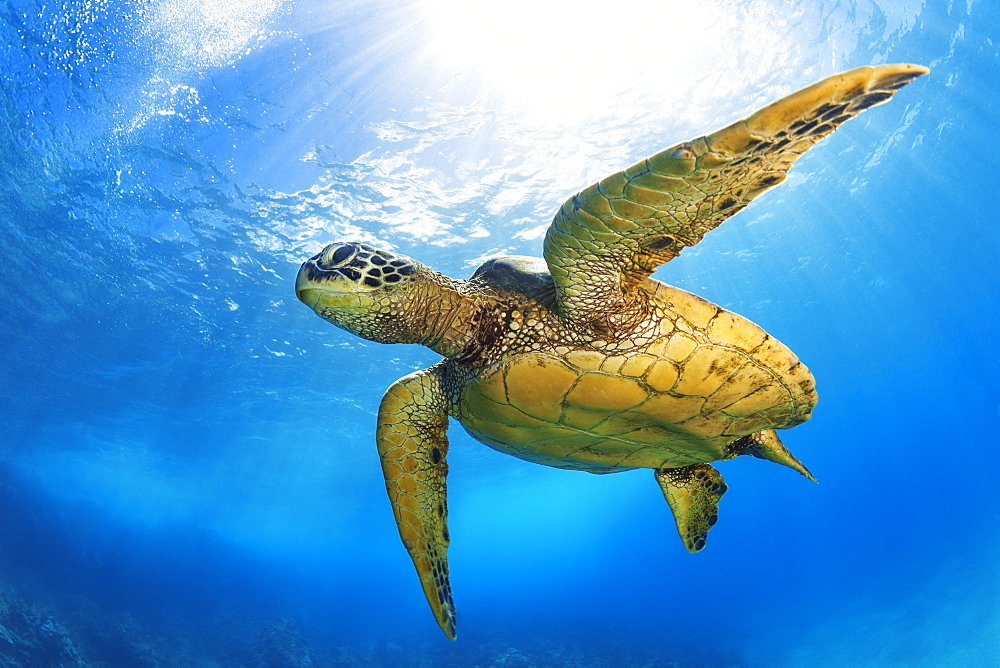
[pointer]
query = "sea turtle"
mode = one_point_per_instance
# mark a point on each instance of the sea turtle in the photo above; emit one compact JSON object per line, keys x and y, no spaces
{"x":581,"y":360}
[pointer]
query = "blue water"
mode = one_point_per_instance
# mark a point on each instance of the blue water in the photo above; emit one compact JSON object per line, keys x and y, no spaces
{"x":187,"y":467}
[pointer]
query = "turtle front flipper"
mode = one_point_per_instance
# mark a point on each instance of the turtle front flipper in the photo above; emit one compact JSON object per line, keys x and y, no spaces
{"x":693,"y":493}
{"x":412,"y":421}
{"x":608,"y":238}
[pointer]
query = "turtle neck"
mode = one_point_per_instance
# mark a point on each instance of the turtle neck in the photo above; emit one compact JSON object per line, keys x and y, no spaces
{"x":444,"y":314}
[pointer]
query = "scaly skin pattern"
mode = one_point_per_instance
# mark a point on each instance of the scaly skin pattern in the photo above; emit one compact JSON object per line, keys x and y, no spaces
{"x":693,"y":494}
{"x":581,"y":361}
{"x":412,"y":446}
{"x":610,"y":236}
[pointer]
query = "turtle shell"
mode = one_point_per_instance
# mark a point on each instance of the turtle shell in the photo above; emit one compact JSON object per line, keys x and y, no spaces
{"x":702,"y":379}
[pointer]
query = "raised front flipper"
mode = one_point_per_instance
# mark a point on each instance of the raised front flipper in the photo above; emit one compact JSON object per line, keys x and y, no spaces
{"x":609,"y":237}
{"x":693,"y":493}
{"x":412,"y":445}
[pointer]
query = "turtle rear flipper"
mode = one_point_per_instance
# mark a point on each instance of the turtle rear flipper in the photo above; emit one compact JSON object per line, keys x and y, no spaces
{"x":766,"y":445}
{"x":693,"y":493}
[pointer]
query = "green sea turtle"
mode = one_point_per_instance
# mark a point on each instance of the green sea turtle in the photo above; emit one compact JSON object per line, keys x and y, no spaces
{"x":581,"y":360}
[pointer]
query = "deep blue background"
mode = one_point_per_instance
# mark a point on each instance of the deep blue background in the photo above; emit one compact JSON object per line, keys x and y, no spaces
{"x":187,"y":447}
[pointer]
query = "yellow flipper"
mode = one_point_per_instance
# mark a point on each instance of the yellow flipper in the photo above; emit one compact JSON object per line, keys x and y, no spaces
{"x":412,"y":445}
{"x":766,"y":445}
{"x":608,"y":238}
{"x":693,"y":493}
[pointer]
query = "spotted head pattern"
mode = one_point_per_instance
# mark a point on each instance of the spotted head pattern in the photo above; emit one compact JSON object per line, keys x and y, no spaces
{"x":361,"y":264}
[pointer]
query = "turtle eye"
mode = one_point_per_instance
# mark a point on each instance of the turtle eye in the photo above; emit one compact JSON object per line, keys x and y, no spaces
{"x":336,"y":255}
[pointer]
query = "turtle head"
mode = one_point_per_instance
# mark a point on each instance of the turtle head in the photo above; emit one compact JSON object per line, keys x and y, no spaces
{"x":362,"y":289}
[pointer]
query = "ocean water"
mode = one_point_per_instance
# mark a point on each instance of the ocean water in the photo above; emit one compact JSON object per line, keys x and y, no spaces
{"x":187,"y":465}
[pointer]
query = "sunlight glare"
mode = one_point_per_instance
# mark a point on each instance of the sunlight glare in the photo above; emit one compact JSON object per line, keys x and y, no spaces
{"x":566,"y":64}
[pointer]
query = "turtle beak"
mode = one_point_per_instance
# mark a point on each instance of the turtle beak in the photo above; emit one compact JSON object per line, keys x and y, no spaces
{"x":309,"y":296}
{"x":304,"y":289}
{"x":321,"y":290}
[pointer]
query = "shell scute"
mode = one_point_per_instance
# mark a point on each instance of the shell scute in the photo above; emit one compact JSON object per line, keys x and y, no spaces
{"x":680,"y":346}
{"x":652,"y":456}
{"x":614,"y":425}
{"x":733,"y":330}
{"x":707,"y":369}
{"x":537,"y":384}
{"x":710,"y":425}
{"x":638,"y":365}
{"x":614,"y":364}
{"x":662,"y":376}
{"x":598,"y":391}
{"x":487,"y":409}
{"x":758,"y":422}
{"x":585,"y":360}
{"x":581,"y":418}
{"x":697,"y":311}
{"x":758,"y":400}
{"x":671,"y":409}
{"x":748,"y":380}
{"x":775,"y":355}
